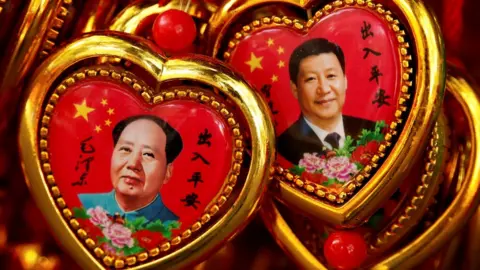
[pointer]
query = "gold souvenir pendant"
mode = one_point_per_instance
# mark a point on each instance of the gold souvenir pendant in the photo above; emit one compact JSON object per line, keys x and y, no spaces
{"x":351,"y":92}
{"x":154,"y":167}
{"x":414,"y":235}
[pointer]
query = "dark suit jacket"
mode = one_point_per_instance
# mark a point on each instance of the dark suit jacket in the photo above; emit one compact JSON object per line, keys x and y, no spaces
{"x":299,"y":138}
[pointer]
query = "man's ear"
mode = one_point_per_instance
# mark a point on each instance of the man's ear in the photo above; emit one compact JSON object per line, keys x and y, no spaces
{"x":294,"y":89}
{"x":168,"y":173}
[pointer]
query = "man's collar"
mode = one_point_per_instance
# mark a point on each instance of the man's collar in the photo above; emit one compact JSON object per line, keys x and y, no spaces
{"x":321,"y":133}
{"x":156,"y":202}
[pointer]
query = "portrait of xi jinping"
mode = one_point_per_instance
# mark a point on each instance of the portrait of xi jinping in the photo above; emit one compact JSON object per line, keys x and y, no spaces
{"x":320,"y":85}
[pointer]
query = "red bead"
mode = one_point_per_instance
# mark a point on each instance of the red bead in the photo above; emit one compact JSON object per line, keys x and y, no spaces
{"x":174,"y":30}
{"x":345,"y":250}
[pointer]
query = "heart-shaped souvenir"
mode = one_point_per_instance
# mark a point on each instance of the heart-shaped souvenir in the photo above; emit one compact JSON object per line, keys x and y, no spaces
{"x":351,"y":95}
{"x":134,"y":174}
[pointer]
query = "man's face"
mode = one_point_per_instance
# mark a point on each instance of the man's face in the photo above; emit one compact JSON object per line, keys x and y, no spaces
{"x":321,"y":86}
{"x":138,"y":166}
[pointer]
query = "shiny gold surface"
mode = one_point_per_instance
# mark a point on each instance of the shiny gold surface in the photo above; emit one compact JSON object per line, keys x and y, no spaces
{"x":55,"y":27}
{"x":140,"y":52}
{"x":291,"y":244}
{"x":338,"y":196}
{"x":426,"y":102}
{"x":286,"y":238}
{"x":148,"y":95}
{"x":467,"y":199}
{"x":428,"y":52}
{"x":95,"y":15}
{"x":232,"y":10}
{"x":22,"y":52}
{"x":403,"y":223}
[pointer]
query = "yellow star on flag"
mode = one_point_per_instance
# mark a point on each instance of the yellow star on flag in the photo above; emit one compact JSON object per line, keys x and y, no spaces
{"x":104,"y":102}
{"x":274,"y":78}
{"x":255,"y":62}
{"x":280,"y":50}
{"x":281,"y":64}
{"x":83,"y":110}
{"x":111,"y":111}
{"x":270,"y":42}
{"x":108,"y":122}
{"x":98,"y":129}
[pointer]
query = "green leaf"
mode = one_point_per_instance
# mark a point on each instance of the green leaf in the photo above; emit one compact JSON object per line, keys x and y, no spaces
{"x":156,"y":226}
{"x":347,"y":148}
{"x":297,"y":170}
{"x":330,"y":182}
{"x":380,"y":125}
{"x":80,"y":212}
{"x":103,"y":239}
{"x":172,"y":224}
{"x":130,"y":225}
{"x":359,"y":165}
{"x":139,"y":222}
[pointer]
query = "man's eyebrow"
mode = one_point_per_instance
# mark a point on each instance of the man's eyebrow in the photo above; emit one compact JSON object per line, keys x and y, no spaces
{"x":149,"y":147}
{"x":125,"y":142}
{"x":331,"y":68}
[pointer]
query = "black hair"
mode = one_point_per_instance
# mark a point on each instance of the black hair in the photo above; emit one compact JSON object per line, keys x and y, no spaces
{"x":311,"y":47}
{"x":173,"y":145}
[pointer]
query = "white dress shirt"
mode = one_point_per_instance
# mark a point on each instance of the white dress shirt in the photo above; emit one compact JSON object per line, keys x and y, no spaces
{"x":322,"y":134}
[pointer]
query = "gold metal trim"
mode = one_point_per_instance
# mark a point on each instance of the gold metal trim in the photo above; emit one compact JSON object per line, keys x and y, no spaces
{"x":358,"y":180}
{"x":466,"y":201}
{"x":145,"y":92}
{"x":24,"y":47}
{"x":54,"y":28}
{"x":423,"y":193}
{"x":143,"y":54}
{"x":408,"y":217}
{"x":428,"y":49}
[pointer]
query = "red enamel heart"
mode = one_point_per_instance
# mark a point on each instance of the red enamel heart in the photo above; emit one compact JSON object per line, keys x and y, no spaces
{"x":135,"y":185}
{"x":333,"y":86}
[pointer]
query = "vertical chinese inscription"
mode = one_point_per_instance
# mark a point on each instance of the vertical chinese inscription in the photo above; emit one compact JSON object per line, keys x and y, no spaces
{"x":204,"y":141}
{"x":84,"y":161}
{"x":375,"y":72}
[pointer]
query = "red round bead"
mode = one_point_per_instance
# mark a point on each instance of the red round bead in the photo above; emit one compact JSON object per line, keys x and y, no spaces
{"x":345,"y":250}
{"x":174,"y":30}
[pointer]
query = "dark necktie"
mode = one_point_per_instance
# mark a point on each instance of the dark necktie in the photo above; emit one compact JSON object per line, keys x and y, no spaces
{"x":333,"y":139}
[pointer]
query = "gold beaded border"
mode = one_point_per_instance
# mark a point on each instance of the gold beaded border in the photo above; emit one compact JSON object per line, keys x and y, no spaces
{"x":146,"y":93}
{"x":54,"y":28}
{"x":348,"y":189}
{"x":397,"y":229}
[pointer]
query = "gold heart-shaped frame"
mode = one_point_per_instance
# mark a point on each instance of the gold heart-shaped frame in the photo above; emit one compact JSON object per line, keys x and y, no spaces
{"x":142,"y":53}
{"x":427,"y":50}
{"x":448,"y":225}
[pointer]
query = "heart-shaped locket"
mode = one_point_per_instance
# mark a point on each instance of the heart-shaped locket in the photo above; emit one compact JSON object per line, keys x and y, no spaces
{"x":130,"y":173}
{"x":351,"y":95}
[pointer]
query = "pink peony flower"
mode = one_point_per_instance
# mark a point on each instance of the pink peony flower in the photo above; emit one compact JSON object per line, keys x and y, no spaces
{"x":340,"y":168}
{"x":99,"y":217}
{"x":312,"y":162}
{"x":119,"y":235}
{"x":109,"y":249}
